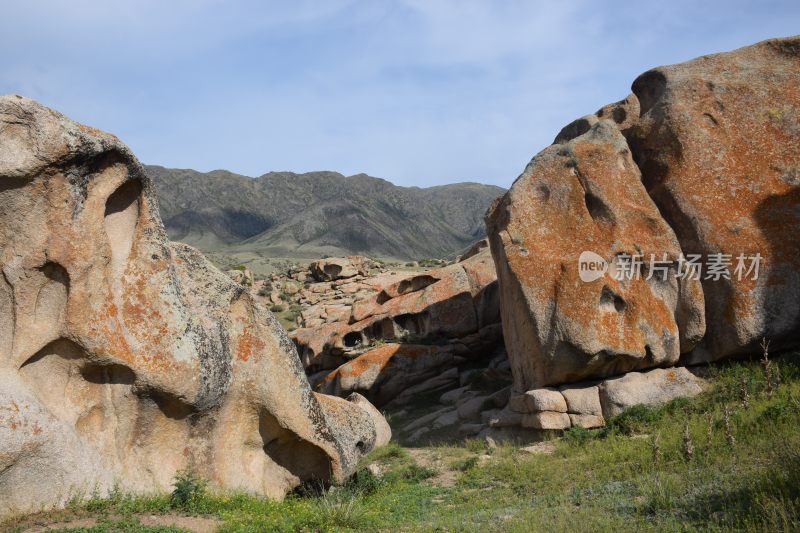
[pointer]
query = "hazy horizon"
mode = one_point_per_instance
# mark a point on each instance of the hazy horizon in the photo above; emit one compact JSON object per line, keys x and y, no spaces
{"x":416,"y":92}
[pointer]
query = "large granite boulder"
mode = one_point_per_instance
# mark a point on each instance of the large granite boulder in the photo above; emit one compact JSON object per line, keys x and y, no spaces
{"x":701,"y":160}
{"x":718,"y":144}
{"x":124,"y":357}
{"x":586,"y":195}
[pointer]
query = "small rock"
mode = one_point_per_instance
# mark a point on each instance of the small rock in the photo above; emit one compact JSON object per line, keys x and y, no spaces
{"x":452,"y":397}
{"x":418,"y":434}
{"x":427,"y":419}
{"x":536,"y":400}
{"x":653,"y":387}
{"x":501,"y":397}
{"x":447,"y":419}
{"x":546,"y":448}
{"x":587,"y":421}
{"x":486,"y":416}
{"x":471,"y":408}
{"x":506,"y":418}
{"x":582,"y":399}
{"x":546,"y":420}
{"x":465,"y":376}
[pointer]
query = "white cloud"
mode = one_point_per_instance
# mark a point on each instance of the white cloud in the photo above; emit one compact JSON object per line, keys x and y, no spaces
{"x":416,"y":91}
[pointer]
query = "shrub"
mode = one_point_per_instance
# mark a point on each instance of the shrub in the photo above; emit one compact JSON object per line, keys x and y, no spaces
{"x":412,"y":473}
{"x":467,"y":464}
{"x":577,"y":435}
{"x":188,"y":488}
{"x":277,"y":308}
{"x":363,"y":482}
{"x":635,"y":419}
{"x":340,"y":510}
{"x":780,"y":410}
{"x":416,"y":473}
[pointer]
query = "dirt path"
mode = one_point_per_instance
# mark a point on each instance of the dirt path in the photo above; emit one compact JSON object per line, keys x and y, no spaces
{"x":195,"y":524}
{"x":445,"y":477}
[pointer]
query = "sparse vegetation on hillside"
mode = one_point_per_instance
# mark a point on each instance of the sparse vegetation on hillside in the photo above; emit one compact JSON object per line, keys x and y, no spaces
{"x":635,"y":475}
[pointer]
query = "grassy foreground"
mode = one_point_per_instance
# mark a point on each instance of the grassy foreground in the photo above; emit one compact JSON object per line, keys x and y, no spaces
{"x":726,"y":460}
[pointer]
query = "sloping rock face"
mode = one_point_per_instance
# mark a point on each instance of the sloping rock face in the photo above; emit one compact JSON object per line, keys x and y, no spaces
{"x":406,"y":334}
{"x":383,"y":373}
{"x":124,"y":357}
{"x":701,"y":159}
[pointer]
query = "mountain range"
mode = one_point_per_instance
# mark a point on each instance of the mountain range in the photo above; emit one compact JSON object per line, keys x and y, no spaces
{"x":284,"y":214}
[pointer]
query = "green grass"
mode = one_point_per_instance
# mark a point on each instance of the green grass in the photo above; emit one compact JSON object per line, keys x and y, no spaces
{"x":634,"y":475}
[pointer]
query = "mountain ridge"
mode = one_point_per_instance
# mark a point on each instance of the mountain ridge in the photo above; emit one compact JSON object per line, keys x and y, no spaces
{"x":311,"y":214}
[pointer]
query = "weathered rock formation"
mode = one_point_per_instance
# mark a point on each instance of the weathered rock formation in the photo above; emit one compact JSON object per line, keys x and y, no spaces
{"x":718,"y":142}
{"x":433,"y":321}
{"x":124,"y":357}
{"x":586,"y":194}
{"x":702,"y":159}
{"x":456,"y":301}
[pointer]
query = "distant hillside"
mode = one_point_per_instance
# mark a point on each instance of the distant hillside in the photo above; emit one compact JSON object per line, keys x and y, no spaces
{"x":309,"y":215}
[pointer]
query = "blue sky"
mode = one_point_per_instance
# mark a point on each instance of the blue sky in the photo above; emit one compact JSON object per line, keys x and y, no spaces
{"x":420,"y":92}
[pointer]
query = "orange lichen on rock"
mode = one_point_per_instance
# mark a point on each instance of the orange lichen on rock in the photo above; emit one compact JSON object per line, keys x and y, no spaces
{"x":717,"y":143}
{"x":455,"y":301}
{"x":248,"y":344}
